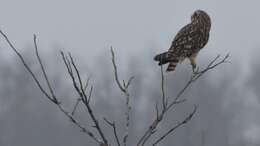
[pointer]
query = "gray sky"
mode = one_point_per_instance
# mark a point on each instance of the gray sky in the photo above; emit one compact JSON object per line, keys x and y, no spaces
{"x":228,"y":97}
{"x":130,"y":26}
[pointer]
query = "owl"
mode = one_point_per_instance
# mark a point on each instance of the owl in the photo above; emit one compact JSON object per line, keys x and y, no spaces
{"x":188,"y":42}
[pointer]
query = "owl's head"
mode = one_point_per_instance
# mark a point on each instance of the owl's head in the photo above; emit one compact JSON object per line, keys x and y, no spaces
{"x":201,"y":17}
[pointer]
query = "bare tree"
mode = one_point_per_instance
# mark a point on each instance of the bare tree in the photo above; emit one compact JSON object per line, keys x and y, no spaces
{"x":84,"y":92}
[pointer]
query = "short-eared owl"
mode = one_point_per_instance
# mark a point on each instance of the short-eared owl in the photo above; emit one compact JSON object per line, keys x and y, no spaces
{"x":188,"y":41}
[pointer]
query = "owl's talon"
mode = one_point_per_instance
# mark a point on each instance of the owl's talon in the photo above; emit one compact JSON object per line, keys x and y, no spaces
{"x":193,"y":66}
{"x":195,"y":69}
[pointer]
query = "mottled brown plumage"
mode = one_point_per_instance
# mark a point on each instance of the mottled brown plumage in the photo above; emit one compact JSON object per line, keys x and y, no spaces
{"x":188,"y":41}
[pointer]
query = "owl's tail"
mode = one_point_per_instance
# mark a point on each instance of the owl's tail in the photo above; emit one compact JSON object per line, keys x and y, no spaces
{"x":164,"y":58}
{"x":172,"y":66}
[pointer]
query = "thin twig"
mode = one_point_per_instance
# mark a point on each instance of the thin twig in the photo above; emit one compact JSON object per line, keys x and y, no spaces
{"x":186,"y":120}
{"x":124,"y":89}
{"x":196,"y":75}
{"x":113,"y":125}
{"x":75,"y":107}
{"x":159,"y":117}
{"x":127,"y":113}
{"x":83,"y":129}
{"x":70,"y":65}
{"x":90,"y":94}
{"x":53,"y":100}
{"x":43,"y":69}
{"x":115,"y":71}
{"x":26,"y":66}
{"x":157,"y":111}
{"x":67,"y":63}
{"x":81,"y":90}
{"x":162,"y":88}
{"x":81,"y":93}
{"x":129,"y":82}
{"x":77,"y":73}
{"x":87,"y":83}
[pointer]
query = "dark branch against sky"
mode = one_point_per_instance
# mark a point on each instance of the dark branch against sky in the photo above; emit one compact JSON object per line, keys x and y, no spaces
{"x":29,"y":119}
{"x":228,"y":98}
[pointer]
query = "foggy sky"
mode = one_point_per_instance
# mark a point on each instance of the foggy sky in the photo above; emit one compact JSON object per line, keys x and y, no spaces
{"x":227,"y":111}
{"x":228,"y":97}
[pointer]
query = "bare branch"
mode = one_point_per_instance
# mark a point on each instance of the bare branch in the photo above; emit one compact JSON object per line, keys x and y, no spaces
{"x":43,"y":69}
{"x":87,"y":83}
{"x":115,"y":71}
{"x":159,"y":117}
{"x":113,"y":125}
{"x":129,"y":82}
{"x":196,"y":75}
{"x":90,"y":93}
{"x":27,"y":67}
{"x":75,"y":107}
{"x":83,"y":88}
{"x":53,"y":100}
{"x":212,"y":66}
{"x":85,"y":97}
{"x":124,"y":89}
{"x":78,"y":75}
{"x":81,"y":93}
{"x":67,"y":63}
{"x":162,"y":88}
{"x":187,"y":119}
{"x":83,"y":129}
{"x":157,"y":111}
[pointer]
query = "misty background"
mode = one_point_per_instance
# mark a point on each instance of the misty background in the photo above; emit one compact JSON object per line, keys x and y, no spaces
{"x":228,"y":96}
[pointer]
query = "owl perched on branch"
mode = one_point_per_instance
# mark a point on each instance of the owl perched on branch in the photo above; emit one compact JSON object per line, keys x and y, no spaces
{"x":188,"y":42}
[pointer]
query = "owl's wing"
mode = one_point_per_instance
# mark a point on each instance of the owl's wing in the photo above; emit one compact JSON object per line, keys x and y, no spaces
{"x":183,"y":32}
{"x":187,"y":36}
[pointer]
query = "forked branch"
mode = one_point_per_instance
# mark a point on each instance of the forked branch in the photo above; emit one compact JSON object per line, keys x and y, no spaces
{"x":81,"y":90}
{"x":113,"y":125}
{"x":186,"y":120}
{"x":84,"y":92}
{"x":28,"y":68}
{"x":167,"y":104}
{"x":52,"y":97}
{"x":124,"y":89}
